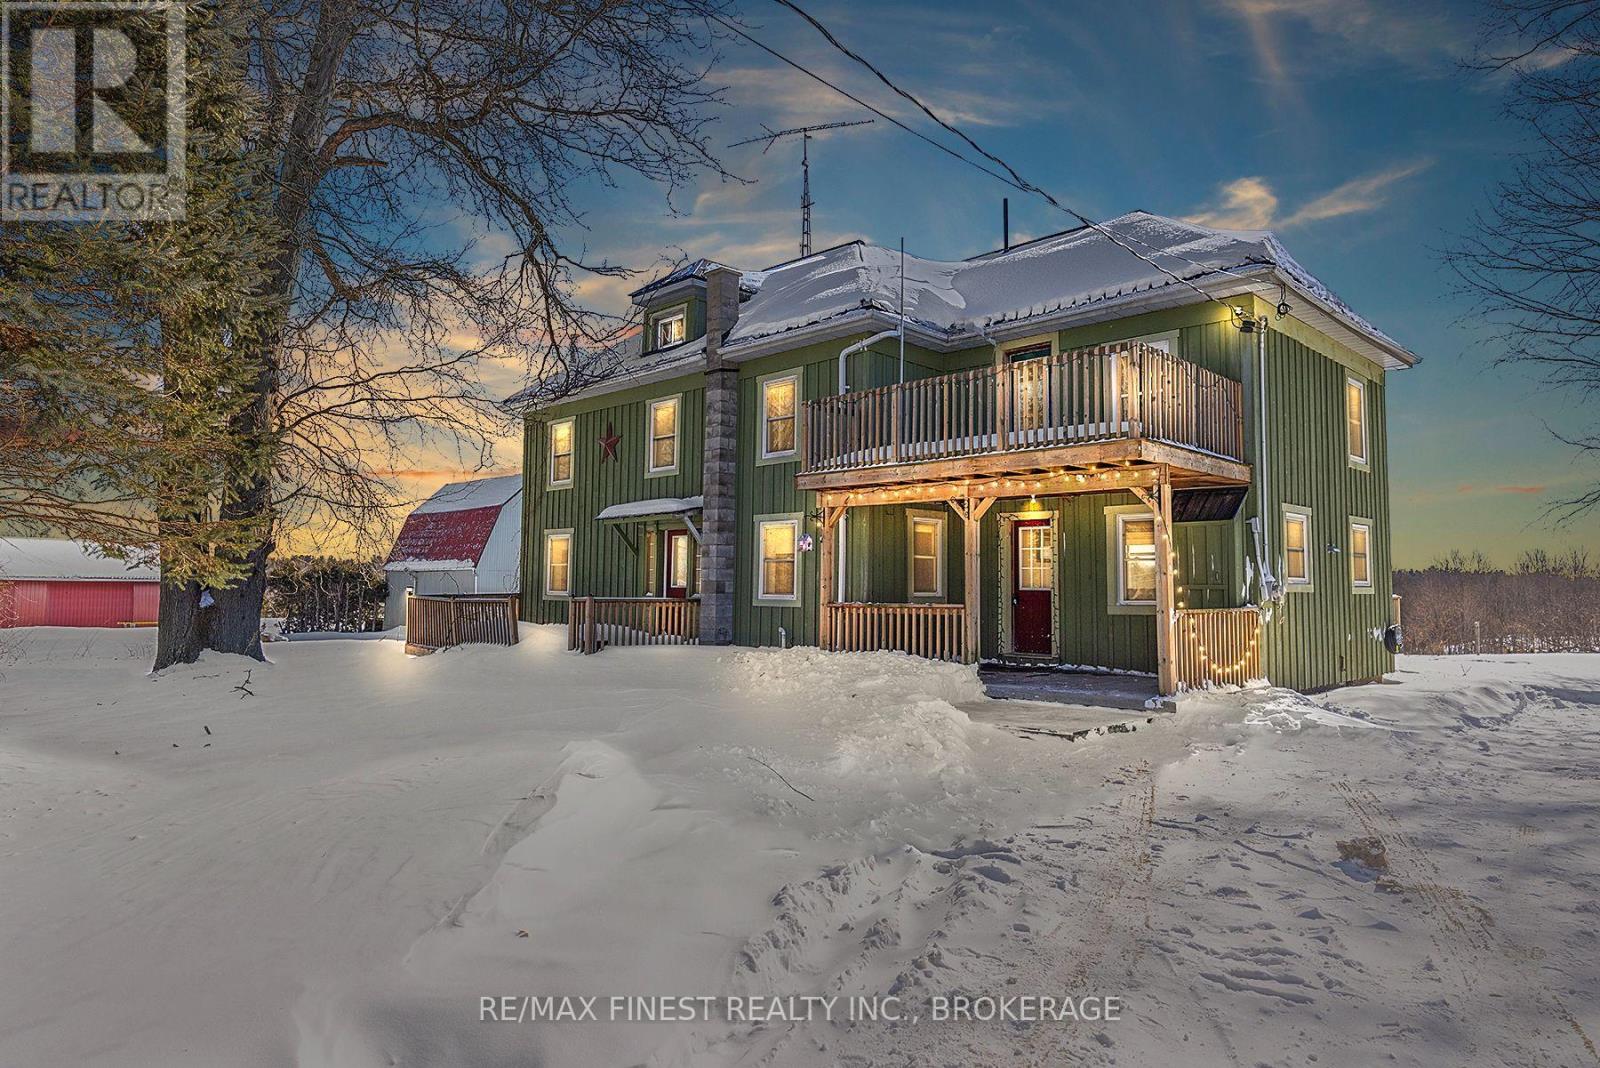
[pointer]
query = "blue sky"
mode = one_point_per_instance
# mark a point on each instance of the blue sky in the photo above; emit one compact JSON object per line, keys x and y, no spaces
{"x":1345,"y":125}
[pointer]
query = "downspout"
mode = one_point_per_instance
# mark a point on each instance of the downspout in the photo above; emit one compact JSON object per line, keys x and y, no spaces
{"x":844,"y":387}
{"x":1269,"y":582}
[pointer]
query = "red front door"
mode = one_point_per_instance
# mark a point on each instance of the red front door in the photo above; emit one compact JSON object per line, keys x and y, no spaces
{"x":1033,"y":580}
{"x":680,"y":563}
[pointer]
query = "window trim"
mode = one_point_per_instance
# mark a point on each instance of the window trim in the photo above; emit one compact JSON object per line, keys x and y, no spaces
{"x":550,"y":535}
{"x":1171,"y":337}
{"x":1032,"y":342}
{"x":676,"y":311}
{"x":765,"y":455}
{"x":650,"y":470}
{"x":759,"y":596}
{"x":940,"y":554}
{"x":1363,"y":461}
{"x":1122,"y":557}
{"x":1309,"y":583}
{"x":1356,"y":586}
{"x":550,"y":455}
{"x":1116,"y":515}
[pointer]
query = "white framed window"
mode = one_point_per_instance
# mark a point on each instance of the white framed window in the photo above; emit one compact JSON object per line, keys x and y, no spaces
{"x":926,"y":547}
{"x":1361,"y":554}
{"x":1296,"y":548}
{"x":777,"y":559}
{"x":562,"y":451}
{"x":661,"y":430}
{"x":558,"y":563}
{"x":669,"y":328}
{"x":1136,"y":559}
{"x":780,"y":411}
{"x":1355,"y":419}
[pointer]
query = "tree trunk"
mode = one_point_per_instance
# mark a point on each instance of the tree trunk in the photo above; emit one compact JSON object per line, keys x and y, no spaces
{"x":183,"y":626}
{"x":236,"y":624}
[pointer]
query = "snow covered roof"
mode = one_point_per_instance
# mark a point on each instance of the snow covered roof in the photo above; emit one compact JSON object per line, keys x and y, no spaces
{"x":55,"y":558}
{"x":449,"y":531}
{"x":652,"y":508}
{"x":1083,"y":275}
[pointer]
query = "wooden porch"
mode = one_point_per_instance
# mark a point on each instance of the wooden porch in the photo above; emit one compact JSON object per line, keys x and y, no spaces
{"x":1193,"y":646}
{"x":1127,"y":405}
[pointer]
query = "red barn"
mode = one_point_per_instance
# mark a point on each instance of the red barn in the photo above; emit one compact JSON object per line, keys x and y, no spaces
{"x":49,"y":582}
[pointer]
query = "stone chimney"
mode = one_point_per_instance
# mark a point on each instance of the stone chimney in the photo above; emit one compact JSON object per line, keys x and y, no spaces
{"x":718,"y":528}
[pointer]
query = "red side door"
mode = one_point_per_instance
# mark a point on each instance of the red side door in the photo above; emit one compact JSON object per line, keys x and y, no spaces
{"x":1033,"y":580}
{"x":680,"y":563}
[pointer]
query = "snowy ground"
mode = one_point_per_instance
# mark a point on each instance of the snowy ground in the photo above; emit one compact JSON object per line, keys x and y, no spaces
{"x":330,"y":860}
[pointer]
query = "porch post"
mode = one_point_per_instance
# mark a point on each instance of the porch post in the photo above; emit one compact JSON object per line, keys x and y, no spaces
{"x":1166,"y":617}
{"x":972,"y":512}
{"x":827,"y":566}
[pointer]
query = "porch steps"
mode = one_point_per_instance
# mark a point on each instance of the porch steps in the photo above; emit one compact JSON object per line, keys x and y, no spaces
{"x":1071,"y":722}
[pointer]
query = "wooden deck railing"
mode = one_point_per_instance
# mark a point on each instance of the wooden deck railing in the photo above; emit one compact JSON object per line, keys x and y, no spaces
{"x":434,"y":623}
{"x":1102,"y":393}
{"x":596,"y":622}
{"x":935,"y":631}
{"x":1218,"y":645}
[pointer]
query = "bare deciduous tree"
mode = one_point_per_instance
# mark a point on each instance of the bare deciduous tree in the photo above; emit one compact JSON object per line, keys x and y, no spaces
{"x":426,"y":155}
{"x":1531,"y":261}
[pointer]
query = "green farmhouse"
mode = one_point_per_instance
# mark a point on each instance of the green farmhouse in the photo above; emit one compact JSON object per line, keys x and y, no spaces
{"x":1145,"y":446}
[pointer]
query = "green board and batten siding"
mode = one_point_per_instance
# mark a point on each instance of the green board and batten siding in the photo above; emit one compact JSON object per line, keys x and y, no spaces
{"x":602,"y":564}
{"x":1315,"y":639}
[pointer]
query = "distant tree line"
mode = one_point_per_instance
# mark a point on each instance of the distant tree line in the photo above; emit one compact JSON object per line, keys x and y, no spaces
{"x":1461,"y":603}
{"x":322,"y":593}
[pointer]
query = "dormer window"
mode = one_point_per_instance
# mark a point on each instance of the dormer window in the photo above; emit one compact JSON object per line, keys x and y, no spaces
{"x":669,"y":328}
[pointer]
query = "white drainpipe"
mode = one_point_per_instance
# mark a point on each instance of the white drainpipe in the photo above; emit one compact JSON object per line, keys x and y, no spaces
{"x":844,"y":387}
{"x":1269,"y":583}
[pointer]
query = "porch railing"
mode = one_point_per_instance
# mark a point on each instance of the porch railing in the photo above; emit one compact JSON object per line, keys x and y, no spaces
{"x":593,"y":623}
{"x":1107,"y":392}
{"x":434,"y":623}
{"x":1218,"y":645}
{"x":934,"y":631}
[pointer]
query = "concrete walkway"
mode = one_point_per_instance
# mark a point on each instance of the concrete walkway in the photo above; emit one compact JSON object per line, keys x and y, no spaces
{"x":1094,"y":689}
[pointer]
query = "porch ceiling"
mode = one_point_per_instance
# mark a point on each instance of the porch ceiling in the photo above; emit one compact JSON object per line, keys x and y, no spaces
{"x":1096,"y":467}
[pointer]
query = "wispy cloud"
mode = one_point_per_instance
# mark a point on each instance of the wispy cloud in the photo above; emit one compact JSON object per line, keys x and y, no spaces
{"x":1418,"y":34}
{"x":1250,"y":203}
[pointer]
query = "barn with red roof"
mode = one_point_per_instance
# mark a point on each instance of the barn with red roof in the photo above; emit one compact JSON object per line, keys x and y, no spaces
{"x":465,"y":539}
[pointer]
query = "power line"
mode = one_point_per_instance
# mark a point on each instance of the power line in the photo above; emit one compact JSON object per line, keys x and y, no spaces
{"x":1011,"y":177}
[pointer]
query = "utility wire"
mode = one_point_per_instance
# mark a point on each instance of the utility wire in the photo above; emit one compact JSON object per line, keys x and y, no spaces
{"x":1011,"y":177}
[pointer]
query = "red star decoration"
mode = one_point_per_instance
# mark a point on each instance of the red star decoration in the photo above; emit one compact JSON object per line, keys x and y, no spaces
{"x":608,"y":444}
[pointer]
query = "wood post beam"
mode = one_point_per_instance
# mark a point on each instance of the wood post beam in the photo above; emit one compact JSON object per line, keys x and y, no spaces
{"x":1039,"y":485}
{"x":1159,"y":500}
{"x":971,"y":510}
{"x":827,"y":576}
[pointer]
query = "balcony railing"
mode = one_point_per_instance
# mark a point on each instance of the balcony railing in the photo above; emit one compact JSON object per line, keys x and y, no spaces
{"x":1105,"y":393}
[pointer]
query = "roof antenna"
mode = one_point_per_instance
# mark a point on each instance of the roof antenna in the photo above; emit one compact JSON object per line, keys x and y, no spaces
{"x":1005,"y":224}
{"x":902,"y":308}
{"x":771,"y":137}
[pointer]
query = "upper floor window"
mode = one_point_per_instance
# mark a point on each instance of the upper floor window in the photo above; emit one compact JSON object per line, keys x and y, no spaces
{"x":927,"y":556}
{"x":1296,"y":547}
{"x":561,"y":449}
{"x":780,"y":397}
{"x":662,"y":428}
{"x":1360,"y":554}
{"x":1136,"y":559}
{"x":669,"y":328}
{"x":1355,"y":418}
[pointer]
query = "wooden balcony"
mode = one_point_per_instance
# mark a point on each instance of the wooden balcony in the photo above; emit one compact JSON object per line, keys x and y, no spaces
{"x":1124,"y":405}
